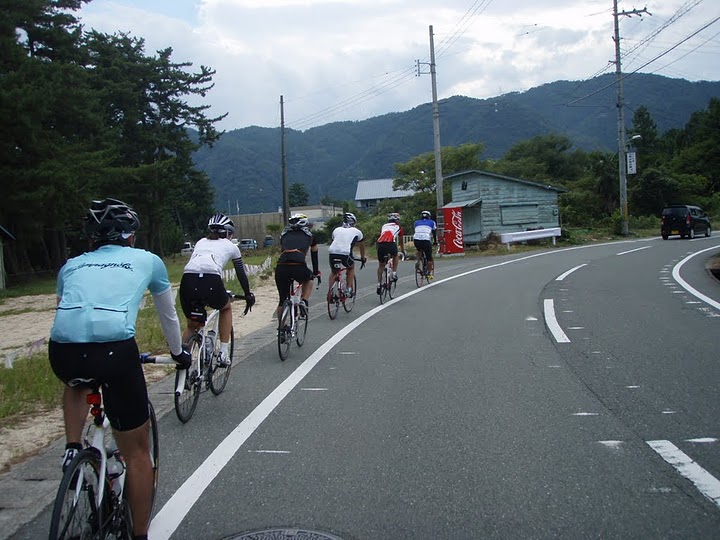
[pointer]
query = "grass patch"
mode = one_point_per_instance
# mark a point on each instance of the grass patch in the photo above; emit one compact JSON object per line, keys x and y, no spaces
{"x":9,"y":312}
{"x":30,"y":384}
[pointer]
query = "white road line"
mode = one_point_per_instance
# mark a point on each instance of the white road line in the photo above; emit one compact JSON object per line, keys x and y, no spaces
{"x":702,"y":440}
{"x":685,"y":285}
{"x":269,"y":451}
{"x":566,"y":274}
{"x":552,"y":323}
{"x":703,"y":480}
{"x":314,"y":389}
{"x":633,"y":250}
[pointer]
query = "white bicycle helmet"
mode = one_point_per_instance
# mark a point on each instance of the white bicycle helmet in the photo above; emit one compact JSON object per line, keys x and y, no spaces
{"x":349,"y":219}
{"x":394,"y":217}
{"x":298,"y":221}
{"x":221,"y":224}
{"x":425,"y":214}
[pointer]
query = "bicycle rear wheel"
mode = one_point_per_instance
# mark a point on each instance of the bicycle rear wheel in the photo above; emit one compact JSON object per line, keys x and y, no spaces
{"x":419,"y":277}
{"x":392,"y":284}
{"x":333,"y":300}
{"x":75,"y":512}
{"x":301,"y":321}
{"x":350,"y":302}
{"x":186,"y":402}
{"x":220,"y":374}
{"x":284,"y":338}
{"x":383,"y":285}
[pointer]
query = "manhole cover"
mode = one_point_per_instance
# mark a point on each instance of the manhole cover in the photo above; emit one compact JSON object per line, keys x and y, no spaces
{"x":283,"y":534}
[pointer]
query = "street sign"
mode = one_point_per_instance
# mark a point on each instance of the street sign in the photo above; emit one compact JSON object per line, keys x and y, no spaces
{"x":631,"y":163}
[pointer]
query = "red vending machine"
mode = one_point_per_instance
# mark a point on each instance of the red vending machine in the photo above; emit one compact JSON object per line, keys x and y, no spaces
{"x":453,"y":231}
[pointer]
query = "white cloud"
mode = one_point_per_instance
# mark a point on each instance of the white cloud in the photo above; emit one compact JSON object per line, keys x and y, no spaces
{"x":351,"y":59}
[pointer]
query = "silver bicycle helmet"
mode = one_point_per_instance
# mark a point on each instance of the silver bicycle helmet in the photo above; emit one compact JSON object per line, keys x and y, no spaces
{"x":349,"y":219}
{"x":394,"y":217}
{"x":425,"y":214}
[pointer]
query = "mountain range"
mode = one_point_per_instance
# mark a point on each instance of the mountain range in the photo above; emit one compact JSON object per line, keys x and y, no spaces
{"x":245,"y":165}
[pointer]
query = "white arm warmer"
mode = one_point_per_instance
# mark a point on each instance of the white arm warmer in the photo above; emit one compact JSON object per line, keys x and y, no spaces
{"x":169,"y":322}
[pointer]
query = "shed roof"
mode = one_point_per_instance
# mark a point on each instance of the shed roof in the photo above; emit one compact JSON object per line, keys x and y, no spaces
{"x":463,"y":204}
{"x":380,"y":188}
{"x":459,"y":175}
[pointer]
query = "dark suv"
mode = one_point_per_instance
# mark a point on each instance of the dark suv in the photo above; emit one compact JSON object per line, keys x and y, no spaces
{"x":685,"y":220}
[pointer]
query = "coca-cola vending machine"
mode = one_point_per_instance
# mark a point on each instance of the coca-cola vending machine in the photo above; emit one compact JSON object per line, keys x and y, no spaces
{"x":453,"y":231}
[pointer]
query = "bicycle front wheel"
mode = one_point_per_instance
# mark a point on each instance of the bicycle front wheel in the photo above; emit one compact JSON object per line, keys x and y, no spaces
{"x":284,"y":337}
{"x":220,"y":374}
{"x":186,"y":401}
{"x":333,"y":300}
{"x":154,"y":453}
{"x":76,"y":513}
{"x":301,"y":322}
{"x":350,"y":302}
{"x":419,"y":276}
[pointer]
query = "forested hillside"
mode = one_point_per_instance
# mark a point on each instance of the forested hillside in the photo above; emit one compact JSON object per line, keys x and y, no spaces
{"x":245,"y":165}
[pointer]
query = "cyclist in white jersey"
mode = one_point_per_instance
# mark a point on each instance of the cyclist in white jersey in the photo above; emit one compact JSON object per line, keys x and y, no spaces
{"x":344,"y":239}
{"x":425,"y":230}
{"x":202,"y":284}
{"x":93,"y":340}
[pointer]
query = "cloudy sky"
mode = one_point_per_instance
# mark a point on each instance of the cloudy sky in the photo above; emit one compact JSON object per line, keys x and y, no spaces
{"x":336,"y":60}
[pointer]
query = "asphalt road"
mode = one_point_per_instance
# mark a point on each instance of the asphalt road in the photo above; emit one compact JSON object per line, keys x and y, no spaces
{"x":562,"y":394}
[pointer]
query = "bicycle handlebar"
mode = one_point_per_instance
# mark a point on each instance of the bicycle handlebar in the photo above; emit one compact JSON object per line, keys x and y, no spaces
{"x":147,"y":358}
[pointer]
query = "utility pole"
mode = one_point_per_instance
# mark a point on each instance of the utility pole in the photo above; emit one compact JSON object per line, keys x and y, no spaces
{"x":285,"y":204}
{"x":439,"y":218}
{"x":622,"y":143}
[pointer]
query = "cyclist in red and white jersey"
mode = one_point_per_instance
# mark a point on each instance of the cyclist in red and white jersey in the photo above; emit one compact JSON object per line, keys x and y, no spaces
{"x":391,"y":234}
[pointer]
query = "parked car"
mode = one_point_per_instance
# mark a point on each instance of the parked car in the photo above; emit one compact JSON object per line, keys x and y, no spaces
{"x":269,"y":241}
{"x":187,"y":249}
{"x":248,"y":243}
{"x":684,"y":220}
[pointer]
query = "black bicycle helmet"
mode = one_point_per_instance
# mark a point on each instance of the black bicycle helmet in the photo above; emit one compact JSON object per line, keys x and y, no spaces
{"x":221,"y":224}
{"x":394,"y":217}
{"x":349,"y":219}
{"x":110,"y":220}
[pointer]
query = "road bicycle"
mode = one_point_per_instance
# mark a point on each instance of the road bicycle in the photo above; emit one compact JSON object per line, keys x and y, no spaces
{"x":205,"y":372}
{"x":422,"y":274}
{"x":293,"y":320}
{"x":387,"y":283}
{"x":337,"y":294}
{"x":91,"y":500}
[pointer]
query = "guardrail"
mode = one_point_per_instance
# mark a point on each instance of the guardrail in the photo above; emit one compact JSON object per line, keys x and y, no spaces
{"x":521,"y":236}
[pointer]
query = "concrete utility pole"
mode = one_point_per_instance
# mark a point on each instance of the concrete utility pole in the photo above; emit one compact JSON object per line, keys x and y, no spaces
{"x":622,"y":143}
{"x":285,"y":203}
{"x":436,"y":137}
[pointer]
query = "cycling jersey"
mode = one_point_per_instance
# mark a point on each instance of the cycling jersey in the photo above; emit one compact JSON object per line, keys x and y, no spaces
{"x":211,"y":256}
{"x":389,"y":232}
{"x":100,"y":293}
{"x":424,"y":229}
{"x":295,"y":244}
{"x":343,"y":240}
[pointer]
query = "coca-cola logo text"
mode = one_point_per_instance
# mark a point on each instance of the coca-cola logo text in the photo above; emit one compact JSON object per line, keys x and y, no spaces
{"x":457,"y":223}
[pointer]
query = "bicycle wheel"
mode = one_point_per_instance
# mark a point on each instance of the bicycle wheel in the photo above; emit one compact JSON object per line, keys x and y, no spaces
{"x":75,"y":512}
{"x":219,"y":375}
{"x":419,"y":276}
{"x":301,"y":321}
{"x":154,"y":453}
{"x":186,"y":402}
{"x":350,"y":302}
{"x":333,"y":300}
{"x":284,"y":338}
{"x":392,"y":284}
{"x":383,"y":285}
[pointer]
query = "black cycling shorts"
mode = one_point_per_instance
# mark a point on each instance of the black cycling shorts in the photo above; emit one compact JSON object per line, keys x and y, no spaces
{"x":425,"y":246}
{"x":386,"y":248}
{"x":284,"y":273}
{"x":200,"y":290}
{"x":116,"y":366}
{"x":345,"y":260}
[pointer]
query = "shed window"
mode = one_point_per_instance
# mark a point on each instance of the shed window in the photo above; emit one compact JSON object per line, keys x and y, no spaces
{"x":519,"y":214}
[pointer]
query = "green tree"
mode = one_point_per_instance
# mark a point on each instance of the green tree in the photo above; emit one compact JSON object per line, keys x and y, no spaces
{"x":298,"y":194}
{"x":418,"y":174}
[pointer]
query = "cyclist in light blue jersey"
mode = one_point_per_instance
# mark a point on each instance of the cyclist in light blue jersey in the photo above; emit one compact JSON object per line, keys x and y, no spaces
{"x":93,"y":339}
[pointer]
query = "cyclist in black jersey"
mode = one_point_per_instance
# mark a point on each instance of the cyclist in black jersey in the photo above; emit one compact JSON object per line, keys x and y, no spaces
{"x":295,"y":241}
